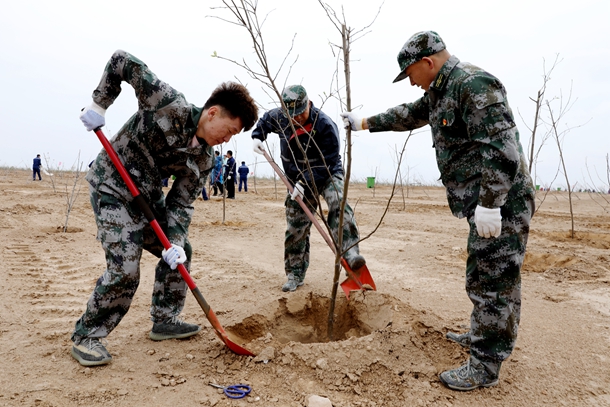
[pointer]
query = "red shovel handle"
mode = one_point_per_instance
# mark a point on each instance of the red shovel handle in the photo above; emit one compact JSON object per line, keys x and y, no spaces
{"x":310,"y":215}
{"x":141,"y":203}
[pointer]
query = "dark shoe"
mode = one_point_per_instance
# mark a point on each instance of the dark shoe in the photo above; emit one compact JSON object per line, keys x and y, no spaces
{"x":90,"y":352}
{"x":173,"y":328}
{"x":462,"y":339}
{"x":292,"y":284}
{"x":356,"y":262}
{"x":470,"y":376}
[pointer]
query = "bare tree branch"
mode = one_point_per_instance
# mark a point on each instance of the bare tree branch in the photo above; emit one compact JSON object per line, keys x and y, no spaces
{"x":554,"y":117}
{"x":73,"y":194}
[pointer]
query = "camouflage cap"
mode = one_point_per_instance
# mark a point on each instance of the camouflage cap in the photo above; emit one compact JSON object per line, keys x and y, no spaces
{"x":421,"y":44}
{"x":295,"y":98}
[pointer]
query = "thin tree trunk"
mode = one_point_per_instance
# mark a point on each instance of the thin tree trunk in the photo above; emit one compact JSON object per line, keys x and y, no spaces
{"x":563,"y":164}
{"x":346,"y":69}
{"x":533,"y":141}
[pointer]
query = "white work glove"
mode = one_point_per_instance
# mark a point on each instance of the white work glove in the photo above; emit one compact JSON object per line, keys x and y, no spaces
{"x":488,"y":221}
{"x":173,"y":256}
{"x":229,"y":178}
{"x":258,"y":146}
{"x":297,"y":192}
{"x":93,"y":116}
{"x":351,"y":121}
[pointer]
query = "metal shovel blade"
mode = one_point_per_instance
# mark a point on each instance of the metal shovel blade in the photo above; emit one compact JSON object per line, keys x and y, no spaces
{"x":239,"y":350}
{"x":360,"y":279}
{"x":218,"y":329}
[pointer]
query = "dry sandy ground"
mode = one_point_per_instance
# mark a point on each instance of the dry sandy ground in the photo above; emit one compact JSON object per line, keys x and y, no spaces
{"x":389,"y":345}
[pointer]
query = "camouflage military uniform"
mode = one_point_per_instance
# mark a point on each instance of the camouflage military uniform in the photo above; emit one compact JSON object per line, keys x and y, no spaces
{"x":153,"y":145}
{"x":319,"y":138}
{"x":481,"y":162}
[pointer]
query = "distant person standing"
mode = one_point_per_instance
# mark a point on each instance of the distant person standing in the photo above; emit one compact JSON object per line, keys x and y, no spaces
{"x":36,"y":168}
{"x":217,"y":175}
{"x":243,"y":172}
{"x":230,"y":172}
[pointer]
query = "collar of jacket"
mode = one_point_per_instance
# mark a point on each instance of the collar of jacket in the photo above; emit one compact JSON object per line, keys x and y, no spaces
{"x":440,"y":81}
{"x":195,"y":115}
{"x":193,"y":120}
{"x":313,"y":114}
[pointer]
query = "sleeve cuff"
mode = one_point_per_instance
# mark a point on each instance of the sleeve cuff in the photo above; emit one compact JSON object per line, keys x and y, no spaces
{"x":97,"y":109}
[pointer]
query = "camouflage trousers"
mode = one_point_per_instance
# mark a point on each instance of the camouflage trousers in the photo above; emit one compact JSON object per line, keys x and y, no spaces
{"x":493,"y":283}
{"x":124,"y":234}
{"x":298,"y":227}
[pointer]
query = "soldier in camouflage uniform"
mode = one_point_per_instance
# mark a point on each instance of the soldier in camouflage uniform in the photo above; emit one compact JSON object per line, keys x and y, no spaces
{"x":166,"y":136}
{"x":311,"y":156}
{"x":483,"y":168}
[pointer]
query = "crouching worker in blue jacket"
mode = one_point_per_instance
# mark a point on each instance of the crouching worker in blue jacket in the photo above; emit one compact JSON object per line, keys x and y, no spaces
{"x":317,"y":142}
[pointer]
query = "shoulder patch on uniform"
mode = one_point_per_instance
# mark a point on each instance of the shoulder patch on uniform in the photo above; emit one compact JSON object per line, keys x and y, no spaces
{"x":439,"y":80}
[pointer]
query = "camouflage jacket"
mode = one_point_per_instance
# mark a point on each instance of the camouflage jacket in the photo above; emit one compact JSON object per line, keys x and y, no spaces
{"x":319,"y":138}
{"x":477,"y":145}
{"x":153,"y":145}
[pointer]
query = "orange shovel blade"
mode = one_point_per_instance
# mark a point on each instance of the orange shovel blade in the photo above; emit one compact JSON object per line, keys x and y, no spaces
{"x":218,"y":329}
{"x":360,"y":279}
{"x":223,"y":336}
{"x":233,"y":346}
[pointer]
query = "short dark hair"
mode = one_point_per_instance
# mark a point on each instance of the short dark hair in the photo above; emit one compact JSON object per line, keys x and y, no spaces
{"x":235,"y":99}
{"x":229,"y":152}
{"x":243,"y":162}
{"x":217,"y":152}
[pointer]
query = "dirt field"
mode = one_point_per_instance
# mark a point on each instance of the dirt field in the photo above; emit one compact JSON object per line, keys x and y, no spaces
{"x":389,"y":346}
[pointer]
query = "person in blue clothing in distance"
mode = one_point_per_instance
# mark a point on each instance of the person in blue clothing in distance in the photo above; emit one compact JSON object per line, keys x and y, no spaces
{"x":243,"y":172}
{"x":217,"y":175}
{"x":36,"y":168}
{"x":230,"y":173}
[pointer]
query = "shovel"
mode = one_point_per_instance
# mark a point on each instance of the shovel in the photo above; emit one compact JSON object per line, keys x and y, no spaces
{"x":141,"y":203}
{"x":357,"y":279}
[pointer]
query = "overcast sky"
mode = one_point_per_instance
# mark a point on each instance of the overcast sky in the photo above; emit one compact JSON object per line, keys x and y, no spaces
{"x":52,"y":55}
